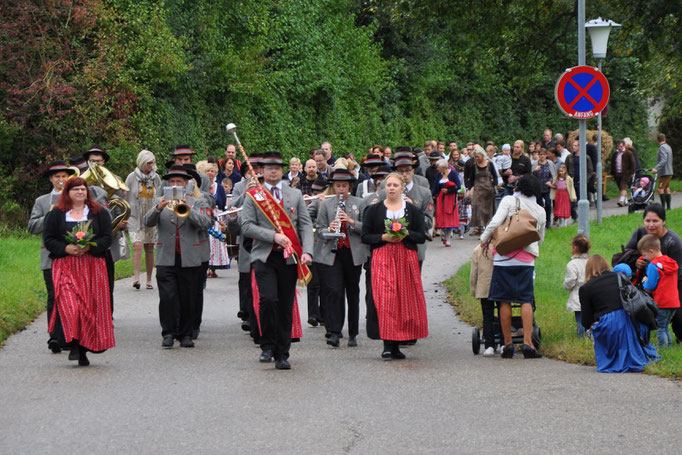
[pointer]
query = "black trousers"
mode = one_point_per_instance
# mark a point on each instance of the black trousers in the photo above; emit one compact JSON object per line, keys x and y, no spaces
{"x":314,"y":294}
{"x":677,"y":325}
{"x":177,"y":293}
{"x":341,"y":283}
{"x":199,"y":297}
{"x":245,"y":295}
{"x":488,"y":310}
{"x":111,"y":275}
{"x":57,"y":333}
{"x":277,"y":288}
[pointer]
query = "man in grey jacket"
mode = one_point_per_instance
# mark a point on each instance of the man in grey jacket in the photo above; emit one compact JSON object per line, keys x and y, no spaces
{"x":58,"y":173}
{"x":664,"y":169}
{"x":178,"y":259}
{"x":272,"y":255}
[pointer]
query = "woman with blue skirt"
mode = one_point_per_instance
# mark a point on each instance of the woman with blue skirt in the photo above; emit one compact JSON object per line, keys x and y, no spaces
{"x":616,"y":345}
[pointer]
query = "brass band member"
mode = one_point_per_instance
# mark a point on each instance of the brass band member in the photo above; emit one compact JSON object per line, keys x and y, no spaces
{"x":273,"y":255}
{"x":58,"y":173}
{"x":340,"y":259}
{"x":178,"y":259}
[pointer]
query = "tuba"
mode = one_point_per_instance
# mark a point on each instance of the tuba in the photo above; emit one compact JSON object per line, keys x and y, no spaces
{"x":98,"y":175}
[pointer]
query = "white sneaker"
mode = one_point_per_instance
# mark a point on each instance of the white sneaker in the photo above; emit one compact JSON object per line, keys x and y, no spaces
{"x":499,"y":349}
{"x":489,"y":352}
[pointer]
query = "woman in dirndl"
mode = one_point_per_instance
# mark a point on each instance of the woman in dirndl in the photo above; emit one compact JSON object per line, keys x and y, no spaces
{"x":219,"y":258}
{"x":445,"y":191}
{"x":481,"y":178}
{"x":79,"y":274}
{"x":143,"y":184}
{"x":392,"y":228}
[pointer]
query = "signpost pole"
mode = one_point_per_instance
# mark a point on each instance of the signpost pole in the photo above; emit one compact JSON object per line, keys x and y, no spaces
{"x":598,"y":164}
{"x":583,"y":203}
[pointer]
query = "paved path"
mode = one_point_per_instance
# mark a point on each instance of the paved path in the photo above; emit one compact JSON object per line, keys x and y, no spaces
{"x":216,"y":398}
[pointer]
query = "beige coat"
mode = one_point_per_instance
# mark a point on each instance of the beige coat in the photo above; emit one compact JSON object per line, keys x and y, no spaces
{"x":575,"y":277}
{"x":481,"y":273}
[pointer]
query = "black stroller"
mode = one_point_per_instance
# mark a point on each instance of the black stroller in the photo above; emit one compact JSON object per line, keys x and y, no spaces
{"x":517,"y":331}
{"x":641,"y":191}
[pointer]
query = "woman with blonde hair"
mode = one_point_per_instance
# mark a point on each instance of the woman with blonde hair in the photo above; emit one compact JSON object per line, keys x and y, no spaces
{"x":143,"y":184}
{"x":219,"y":258}
{"x":392,"y":229}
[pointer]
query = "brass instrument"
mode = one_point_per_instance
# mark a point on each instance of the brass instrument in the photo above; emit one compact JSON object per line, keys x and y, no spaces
{"x":177,"y":203}
{"x":98,"y":175}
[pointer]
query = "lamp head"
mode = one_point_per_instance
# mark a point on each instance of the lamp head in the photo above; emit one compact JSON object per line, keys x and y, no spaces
{"x":231,"y":128}
{"x":599,"y":30}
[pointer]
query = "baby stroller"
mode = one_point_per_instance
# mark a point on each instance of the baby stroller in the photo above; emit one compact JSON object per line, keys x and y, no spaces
{"x":517,"y":331}
{"x":641,"y":191}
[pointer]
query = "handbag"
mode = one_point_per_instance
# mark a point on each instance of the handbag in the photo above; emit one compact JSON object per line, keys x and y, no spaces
{"x":517,"y":231}
{"x":639,"y":305}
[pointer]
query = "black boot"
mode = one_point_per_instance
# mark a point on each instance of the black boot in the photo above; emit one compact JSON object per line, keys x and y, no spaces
{"x":663,"y":198}
{"x":82,"y":357}
{"x":74,"y":354}
{"x":667,"y":201}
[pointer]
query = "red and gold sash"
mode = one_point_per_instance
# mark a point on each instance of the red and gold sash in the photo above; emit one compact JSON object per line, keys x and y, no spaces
{"x":269,"y":206}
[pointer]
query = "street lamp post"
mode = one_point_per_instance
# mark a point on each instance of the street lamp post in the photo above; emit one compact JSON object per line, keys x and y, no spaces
{"x":599,"y":35}
{"x":583,"y":204}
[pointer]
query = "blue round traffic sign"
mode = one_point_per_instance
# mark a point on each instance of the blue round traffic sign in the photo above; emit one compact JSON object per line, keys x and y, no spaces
{"x":582,"y":92}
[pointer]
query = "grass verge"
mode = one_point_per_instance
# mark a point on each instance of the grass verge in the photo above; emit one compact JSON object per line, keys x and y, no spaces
{"x":22,"y":288}
{"x":559,"y":340}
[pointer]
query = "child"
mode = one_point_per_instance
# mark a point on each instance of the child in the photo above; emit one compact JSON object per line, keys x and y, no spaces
{"x":479,"y":286}
{"x":640,"y":190}
{"x":575,"y":277}
{"x":661,"y":282}
{"x":562,"y":193}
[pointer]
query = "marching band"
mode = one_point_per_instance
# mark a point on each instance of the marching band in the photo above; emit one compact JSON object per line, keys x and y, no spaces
{"x":278,"y":235}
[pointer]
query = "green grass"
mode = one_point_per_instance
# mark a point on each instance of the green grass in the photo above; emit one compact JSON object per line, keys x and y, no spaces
{"x":558,"y":325}
{"x":22,"y":288}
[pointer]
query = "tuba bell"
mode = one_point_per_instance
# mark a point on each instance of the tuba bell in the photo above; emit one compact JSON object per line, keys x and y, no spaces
{"x":98,"y":175}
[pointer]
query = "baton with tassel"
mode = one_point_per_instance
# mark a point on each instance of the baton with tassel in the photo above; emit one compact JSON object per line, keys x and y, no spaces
{"x":232,"y":129}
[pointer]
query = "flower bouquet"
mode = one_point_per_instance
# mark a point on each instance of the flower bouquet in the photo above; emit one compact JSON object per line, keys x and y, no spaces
{"x":81,"y":235}
{"x":397,"y":228}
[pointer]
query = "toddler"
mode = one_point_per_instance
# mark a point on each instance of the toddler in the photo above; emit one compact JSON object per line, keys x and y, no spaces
{"x":575,"y":277}
{"x":479,"y":286}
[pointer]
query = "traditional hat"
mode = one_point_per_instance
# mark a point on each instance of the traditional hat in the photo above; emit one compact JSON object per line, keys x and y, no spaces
{"x":435,"y":155}
{"x":418,"y":150}
{"x":96,"y":149}
{"x":373,"y":160}
{"x":404,"y":161}
{"x":319,"y":184}
{"x":58,"y":166}
{"x":403,"y":149}
{"x":79,"y":162}
{"x":183,"y":150}
{"x":256,"y":159}
{"x":178,"y":170}
{"x":272,"y":158}
{"x":383,"y":171}
{"x":342,"y":175}
{"x":192,"y":170}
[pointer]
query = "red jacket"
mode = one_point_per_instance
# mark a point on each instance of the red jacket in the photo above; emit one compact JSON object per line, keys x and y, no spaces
{"x":666,"y":294}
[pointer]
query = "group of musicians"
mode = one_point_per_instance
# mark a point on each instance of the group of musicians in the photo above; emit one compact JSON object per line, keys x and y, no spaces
{"x":283,"y":238}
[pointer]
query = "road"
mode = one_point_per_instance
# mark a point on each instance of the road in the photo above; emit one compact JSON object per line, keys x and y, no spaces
{"x":217,"y":398}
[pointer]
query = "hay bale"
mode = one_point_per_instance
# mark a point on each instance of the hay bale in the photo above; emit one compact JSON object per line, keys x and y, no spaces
{"x":606,"y":144}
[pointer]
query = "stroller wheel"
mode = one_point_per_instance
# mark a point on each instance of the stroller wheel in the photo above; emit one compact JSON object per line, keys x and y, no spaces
{"x":475,"y":340}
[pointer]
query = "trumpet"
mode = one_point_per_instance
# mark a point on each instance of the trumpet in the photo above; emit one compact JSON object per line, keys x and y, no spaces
{"x":176,"y":203}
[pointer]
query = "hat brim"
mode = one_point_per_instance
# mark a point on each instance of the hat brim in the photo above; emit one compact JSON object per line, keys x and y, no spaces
{"x":185,"y":176}
{"x":266,"y":161}
{"x":68,"y":170}
{"x":104,"y":154}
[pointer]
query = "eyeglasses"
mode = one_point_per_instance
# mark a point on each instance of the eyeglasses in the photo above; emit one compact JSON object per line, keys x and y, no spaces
{"x":79,"y":189}
{"x":97,"y":161}
{"x":404,"y":171}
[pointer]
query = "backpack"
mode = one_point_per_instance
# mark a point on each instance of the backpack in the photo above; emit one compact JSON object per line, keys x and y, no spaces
{"x":626,"y":256}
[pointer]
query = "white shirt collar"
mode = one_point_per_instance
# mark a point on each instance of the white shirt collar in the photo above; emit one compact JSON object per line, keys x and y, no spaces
{"x":56,"y":192}
{"x":410,"y":185}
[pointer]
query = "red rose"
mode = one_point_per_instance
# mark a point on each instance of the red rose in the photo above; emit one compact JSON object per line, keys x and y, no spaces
{"x":396,"y":227}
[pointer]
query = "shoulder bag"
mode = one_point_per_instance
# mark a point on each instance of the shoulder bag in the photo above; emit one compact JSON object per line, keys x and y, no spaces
{"x":517,"y":231}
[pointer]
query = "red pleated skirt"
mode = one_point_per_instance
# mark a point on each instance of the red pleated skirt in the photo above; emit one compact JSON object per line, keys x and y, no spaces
{"x":447,"y":215}
{"x":296,"y":329}
{"x":398,"y":293}
{"x":562,"y":204}
{"x":81,"y":296}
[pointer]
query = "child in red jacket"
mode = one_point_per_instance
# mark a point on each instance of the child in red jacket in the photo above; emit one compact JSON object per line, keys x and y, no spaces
{"x":661,"y":282}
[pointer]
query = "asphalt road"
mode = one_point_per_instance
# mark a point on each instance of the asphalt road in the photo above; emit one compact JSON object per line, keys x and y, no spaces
{"x":217,"y":398}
